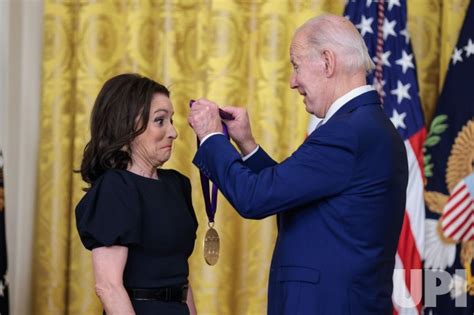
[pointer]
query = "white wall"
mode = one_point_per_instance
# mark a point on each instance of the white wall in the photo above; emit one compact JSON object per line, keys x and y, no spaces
{"x":20,"y":63}
{"x":4,"y":23}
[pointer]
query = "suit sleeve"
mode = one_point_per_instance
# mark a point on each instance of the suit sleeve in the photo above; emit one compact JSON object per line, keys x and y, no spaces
{"x":321,"y":167}
{"x":259,"y":161}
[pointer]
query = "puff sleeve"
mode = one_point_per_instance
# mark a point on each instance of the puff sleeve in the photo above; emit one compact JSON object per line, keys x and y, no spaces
{"x":109,"y":213}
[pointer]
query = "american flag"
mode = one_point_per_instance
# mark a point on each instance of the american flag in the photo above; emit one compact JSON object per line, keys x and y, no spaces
{"x":449,"y":189}
{"x":457,"y":220}
{"x":383,"y":25}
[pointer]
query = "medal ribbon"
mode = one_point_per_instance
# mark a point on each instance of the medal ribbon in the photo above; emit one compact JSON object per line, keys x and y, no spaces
{"x":211,"y":201}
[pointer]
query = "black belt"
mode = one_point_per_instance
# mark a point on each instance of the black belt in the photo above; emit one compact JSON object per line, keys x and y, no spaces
{"x":166,"y":294}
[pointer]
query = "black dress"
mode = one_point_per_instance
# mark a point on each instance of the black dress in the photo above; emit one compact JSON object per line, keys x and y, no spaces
{"x":154,"y":219}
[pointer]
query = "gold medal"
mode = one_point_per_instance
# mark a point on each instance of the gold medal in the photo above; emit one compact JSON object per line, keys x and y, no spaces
{"x":211,"y":246}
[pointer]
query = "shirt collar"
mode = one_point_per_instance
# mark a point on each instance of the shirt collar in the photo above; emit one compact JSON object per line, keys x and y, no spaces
{"x":341,"y":101}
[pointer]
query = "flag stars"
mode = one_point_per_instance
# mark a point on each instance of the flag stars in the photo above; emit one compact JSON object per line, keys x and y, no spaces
{"x":385,"y":57}
{"x":398,"y":119}
{"x":406,"y":61}
{"x":406,"y":35}
{"x":368,"y":3}
{"x":365,"y":25}
{"x":391,"y":3}
{"x":401,"y":91}
{"x":469,"y":48}
{"x":389,"y":28}
{"x":457,"y":55}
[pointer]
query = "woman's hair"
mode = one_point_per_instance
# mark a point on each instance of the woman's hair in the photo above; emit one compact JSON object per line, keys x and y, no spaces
{"x":120,"y":113}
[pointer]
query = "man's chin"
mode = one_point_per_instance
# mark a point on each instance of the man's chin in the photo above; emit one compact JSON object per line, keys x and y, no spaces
{"x":311,"y":111}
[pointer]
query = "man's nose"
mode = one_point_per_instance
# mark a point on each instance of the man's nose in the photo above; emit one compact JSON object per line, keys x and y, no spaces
{"x":293,"y":83}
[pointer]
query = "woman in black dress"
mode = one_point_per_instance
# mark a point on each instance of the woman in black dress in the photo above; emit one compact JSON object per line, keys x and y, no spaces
{"x":137,"y":218}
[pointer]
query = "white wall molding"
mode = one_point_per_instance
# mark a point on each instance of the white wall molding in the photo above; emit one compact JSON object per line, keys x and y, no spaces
{"x":20,"y":126}
{"x":4,"y":31}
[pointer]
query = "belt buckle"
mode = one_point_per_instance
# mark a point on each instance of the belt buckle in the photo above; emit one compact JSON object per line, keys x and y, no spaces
{"x":184,"y":292}
{"x":158,"y":294}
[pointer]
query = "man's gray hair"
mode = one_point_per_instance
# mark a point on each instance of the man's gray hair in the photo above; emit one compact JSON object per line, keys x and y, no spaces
{"x":336,"y":32}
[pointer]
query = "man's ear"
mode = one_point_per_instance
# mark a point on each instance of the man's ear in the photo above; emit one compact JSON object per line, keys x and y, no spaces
{"x":329,"y":61}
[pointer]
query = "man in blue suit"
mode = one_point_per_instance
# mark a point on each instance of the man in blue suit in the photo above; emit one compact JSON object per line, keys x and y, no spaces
{"x":340,"y":197}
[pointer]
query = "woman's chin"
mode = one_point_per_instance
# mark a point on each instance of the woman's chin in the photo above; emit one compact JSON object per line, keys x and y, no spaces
{"x":160,"y":163}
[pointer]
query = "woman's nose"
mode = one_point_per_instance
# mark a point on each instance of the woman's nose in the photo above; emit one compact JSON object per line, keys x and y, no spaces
{"x":172,"y":132}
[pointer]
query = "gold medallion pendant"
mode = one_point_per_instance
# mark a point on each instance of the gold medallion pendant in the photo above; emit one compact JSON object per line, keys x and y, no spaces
{"x":211,"y":246}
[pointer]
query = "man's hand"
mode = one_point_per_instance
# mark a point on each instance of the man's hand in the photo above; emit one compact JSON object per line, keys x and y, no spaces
{"x":239,"y":129}
{"x":204,"y":118}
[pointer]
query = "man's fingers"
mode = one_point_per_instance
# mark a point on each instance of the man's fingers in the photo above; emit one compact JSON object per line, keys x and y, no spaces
{"x":233,"y":110}
{"x":204,"y":102}
{"x":205,"y":107}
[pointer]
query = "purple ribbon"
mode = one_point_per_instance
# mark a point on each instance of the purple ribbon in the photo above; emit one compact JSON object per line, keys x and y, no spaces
{"x":211,"y":201}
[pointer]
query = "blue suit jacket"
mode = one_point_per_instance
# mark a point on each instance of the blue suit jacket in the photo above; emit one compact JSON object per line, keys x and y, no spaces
{"x":340,"y":200}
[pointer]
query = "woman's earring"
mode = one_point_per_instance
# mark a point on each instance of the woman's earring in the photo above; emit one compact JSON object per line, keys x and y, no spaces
{"x":125,"y":148}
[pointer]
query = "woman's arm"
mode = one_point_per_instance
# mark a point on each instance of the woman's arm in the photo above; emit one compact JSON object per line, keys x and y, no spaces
{"x":109,"y":263}
{"x":190,"y":302}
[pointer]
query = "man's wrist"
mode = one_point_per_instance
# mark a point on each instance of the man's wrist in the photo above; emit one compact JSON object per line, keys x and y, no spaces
{"x":247,"y":147}
{"x":248,"y":156}
{"x":210,"y":135}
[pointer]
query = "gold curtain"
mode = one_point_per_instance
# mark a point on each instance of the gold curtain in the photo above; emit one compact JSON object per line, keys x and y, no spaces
{"x":233,"y":52}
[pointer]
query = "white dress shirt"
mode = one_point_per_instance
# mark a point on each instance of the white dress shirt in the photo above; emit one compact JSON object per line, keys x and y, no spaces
{"x":341,"y":101}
